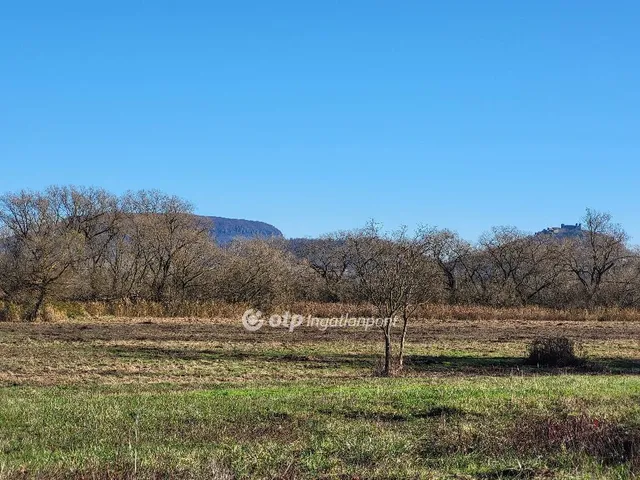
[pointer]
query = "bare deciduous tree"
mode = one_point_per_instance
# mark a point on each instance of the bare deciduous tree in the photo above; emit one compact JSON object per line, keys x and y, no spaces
{"x":38,"y":246}
{"x":593,"y":257}
{"x":329,"y":258}
{"x":165,"y":230}
{"x":87,"y":244}
{"x":392,"y":274}
{"x":257,"y":272}
{"x":449,"y":251}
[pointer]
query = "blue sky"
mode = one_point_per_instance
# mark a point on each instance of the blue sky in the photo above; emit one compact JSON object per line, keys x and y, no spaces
{"x":316,"y":116}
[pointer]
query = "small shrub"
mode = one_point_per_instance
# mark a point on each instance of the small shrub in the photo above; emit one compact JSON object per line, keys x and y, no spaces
{"x":553,"y":352}
{"x":11,"y":312}
{"x":71,"y":309}
{"x":540,"y":435}
{"x":52,"y":314}
{"x":609,"y":442}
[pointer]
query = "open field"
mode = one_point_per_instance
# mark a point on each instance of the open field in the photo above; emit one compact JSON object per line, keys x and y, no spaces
{"x":165,"y":398}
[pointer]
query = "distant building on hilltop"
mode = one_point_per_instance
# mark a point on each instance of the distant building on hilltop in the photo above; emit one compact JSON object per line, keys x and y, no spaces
{"x":563,"y":231}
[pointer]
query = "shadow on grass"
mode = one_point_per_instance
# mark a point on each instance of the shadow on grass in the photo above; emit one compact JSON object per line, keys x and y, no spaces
{"x":515,"y":473}
{"x":419,"y":364}
{"x":516,"y":365}
{"x":325,"y":360}
{"x":433,"y":412}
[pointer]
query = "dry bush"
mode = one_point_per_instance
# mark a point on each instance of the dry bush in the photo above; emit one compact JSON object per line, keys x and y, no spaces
{"x":480,"y":312}
{"x":226,"y":309}
{"x":206,"y":309}
{"x":53,"y":314}
{"x":609,"y":442}
{"x":146,"y":308}
{"x":97,"y":309}
{"x":535,"y":435}
{"x":260,"y":273}
{"x":71,"y":309}
{"x":327,"y":310}
{"x":11,"y":312}
{"x":553,"y":352}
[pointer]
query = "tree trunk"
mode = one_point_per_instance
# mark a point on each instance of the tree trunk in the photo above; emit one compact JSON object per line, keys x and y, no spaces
{"x":453,"y":289}
{"x":402,"y":339}
{"x":36,"y":309}
{"x":387,"y":350}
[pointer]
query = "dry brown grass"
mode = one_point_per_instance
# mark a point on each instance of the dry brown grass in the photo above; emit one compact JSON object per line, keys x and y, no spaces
{"x":144,"y":308}
{"x":211,"y":309}
{"x":475,"y":312}
{"x":197,"y":352}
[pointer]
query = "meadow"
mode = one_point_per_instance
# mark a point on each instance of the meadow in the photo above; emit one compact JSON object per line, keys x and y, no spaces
{"x":152,"y":397}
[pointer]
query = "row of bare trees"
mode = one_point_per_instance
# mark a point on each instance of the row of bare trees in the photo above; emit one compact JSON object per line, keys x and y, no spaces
{"x":397,"y":272}
{"x":87,"y":244}
{"x":506,"y":267}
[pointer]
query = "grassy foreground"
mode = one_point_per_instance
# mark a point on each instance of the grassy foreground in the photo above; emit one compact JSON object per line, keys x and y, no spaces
{"x":195,"y":399}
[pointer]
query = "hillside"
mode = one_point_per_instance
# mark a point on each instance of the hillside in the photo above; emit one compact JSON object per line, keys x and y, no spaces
{"x":227,"y":229}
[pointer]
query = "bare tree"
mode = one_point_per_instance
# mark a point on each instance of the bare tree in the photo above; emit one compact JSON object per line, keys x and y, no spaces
{"x":329,"y":258}
{"x":193,"y":269}
{"x":391,"y":274}
{"x":541,"y":270}
{"x":448,"y":251}
{"x":593,"y":257}
{"x":156,"y":249}
{"x":95,"y":215}
{"x":624,"y":288}
{"x":257,"y":272}
{"x":38,"y":246}
{"x":85,"y":243}
{"x":507,"y":252}
{"x":521,"y":266}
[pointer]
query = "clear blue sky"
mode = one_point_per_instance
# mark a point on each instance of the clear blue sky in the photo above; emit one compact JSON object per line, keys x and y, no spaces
{"x":316,"y":116}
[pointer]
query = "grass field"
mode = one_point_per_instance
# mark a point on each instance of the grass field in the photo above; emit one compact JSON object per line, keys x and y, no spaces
{"x":187,"y":398}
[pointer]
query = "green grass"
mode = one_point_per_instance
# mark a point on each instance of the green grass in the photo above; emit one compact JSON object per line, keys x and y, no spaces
{"x":378,"y":428}
{"x":173,"y":399}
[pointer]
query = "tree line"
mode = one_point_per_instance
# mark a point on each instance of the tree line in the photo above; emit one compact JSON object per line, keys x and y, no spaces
{"x":86,"y":244}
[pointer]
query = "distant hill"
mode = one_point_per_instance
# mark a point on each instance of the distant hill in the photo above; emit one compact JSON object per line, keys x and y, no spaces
{"x":563,"y":231}
{"x":227,"y":229}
